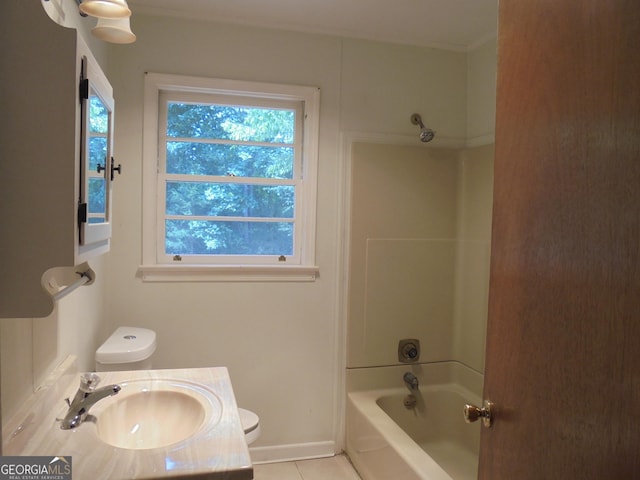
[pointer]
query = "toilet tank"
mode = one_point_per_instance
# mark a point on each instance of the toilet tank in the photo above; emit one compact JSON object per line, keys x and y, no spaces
{"x":128,"y":348}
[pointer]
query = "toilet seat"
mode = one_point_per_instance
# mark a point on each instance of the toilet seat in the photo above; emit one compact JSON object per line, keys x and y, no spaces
{"x":250,"y":424}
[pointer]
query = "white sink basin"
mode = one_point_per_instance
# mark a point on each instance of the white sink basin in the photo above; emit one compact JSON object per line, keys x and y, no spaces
{"x":149,"y":414}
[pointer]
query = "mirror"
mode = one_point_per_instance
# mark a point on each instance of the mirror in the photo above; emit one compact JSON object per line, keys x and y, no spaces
{"x":96,"y":156}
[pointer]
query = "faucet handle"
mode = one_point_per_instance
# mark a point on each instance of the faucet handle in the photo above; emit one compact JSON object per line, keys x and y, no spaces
{"x":89,"y":382}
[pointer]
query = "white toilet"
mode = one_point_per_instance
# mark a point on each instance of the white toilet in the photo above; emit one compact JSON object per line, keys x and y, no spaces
{"x":131,"y":348}
{"x":250,"y":424}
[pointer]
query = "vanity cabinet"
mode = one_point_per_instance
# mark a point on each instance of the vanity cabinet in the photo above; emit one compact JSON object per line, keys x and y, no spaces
{"x":56,"y":161}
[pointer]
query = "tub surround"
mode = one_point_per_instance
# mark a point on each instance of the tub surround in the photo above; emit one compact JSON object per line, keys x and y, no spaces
{"x":419,"y":250}
{"x":219,"y":452}
{"x":390,"y":376}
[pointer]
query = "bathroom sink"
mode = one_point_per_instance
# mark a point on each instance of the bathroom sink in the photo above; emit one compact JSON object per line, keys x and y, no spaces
{"x":200,"y":433}
{"x":155,"y":413}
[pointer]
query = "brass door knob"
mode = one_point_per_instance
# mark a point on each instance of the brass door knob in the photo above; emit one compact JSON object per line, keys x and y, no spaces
{"x":473,"y":413}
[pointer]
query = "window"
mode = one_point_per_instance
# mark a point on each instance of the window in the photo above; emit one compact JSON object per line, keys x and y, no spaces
{"x":229,"y":180}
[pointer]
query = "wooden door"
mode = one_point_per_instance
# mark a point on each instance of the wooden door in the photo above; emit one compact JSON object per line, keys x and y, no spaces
{"x":563,"y":339}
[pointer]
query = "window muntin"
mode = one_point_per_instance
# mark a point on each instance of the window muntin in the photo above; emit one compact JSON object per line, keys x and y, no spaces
{"x":229,"y":200}
{"x":263,"y":156}
{"x":231,"y":176}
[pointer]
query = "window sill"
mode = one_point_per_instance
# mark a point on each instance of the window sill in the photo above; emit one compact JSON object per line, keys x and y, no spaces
{"x":227,"y":273}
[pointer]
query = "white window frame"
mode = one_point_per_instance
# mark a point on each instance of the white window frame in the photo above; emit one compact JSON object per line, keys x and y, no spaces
{"x":300,"y":267}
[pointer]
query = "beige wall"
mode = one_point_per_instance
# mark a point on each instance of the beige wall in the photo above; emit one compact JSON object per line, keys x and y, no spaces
{"x":382,"y":85}
{"x":277,"y":339}
{"x":282,"y":342}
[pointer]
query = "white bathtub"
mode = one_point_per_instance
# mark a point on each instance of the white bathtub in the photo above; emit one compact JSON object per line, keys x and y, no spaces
{"x":387,"y":441}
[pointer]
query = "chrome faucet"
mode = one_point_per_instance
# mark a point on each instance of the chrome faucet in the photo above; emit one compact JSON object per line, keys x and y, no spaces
{"x":411,"y":381}
{"x":85,"y":398}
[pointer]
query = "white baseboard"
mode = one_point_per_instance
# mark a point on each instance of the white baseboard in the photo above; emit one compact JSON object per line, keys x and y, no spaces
{"x":287,"y":453}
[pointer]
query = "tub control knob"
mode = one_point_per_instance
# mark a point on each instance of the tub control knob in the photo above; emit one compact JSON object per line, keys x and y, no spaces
{"x":409,"y":350}
{"x":473,"y":413}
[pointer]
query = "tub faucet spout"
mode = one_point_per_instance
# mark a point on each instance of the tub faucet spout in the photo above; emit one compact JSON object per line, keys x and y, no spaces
{"x":86,"y":396}
{"x":411,"y":381}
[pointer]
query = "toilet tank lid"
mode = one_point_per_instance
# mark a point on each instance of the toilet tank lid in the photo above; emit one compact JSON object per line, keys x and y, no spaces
{"x":127,"y":344}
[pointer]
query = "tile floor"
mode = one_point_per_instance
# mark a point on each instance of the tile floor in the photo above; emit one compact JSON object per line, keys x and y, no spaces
{"x":332,"y":468}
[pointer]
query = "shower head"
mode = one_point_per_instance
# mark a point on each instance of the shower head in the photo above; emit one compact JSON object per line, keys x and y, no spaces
{"x":426,"y":134}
